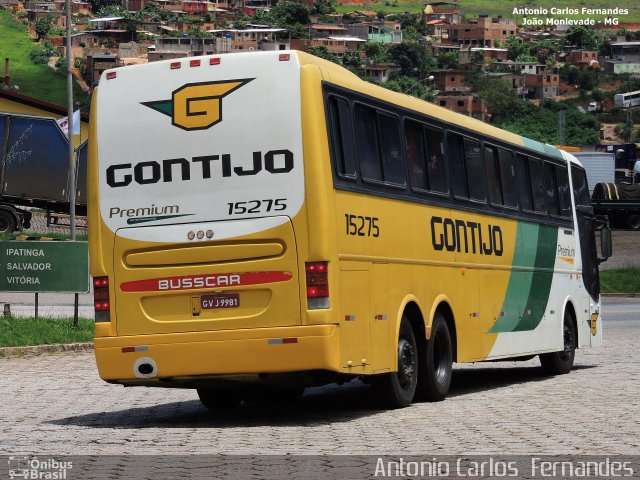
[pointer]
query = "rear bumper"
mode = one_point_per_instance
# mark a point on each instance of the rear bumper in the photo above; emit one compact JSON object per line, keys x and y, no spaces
{"x":222,"y":352}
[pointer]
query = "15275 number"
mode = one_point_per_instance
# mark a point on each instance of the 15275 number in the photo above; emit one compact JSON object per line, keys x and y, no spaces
{"x":257,"y":206}
{"x":360,"y":226}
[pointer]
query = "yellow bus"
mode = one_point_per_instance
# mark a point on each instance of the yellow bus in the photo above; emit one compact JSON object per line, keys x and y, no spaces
{"x":267,"y":221}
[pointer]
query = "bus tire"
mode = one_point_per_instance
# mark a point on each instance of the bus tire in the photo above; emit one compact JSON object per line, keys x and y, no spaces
{"x":397,"y":389}
{"x":215,"y":399}
{"x":435,"y":378}
{"x":7,"y":221}
{"x":633,"y":221}
{"x":559,"y":363}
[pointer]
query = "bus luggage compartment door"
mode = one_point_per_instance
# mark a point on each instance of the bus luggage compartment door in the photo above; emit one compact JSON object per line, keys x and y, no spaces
{"x":235,"y":282}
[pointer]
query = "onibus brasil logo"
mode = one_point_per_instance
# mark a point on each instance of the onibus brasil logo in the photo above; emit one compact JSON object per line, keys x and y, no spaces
{"x":197,"y":106}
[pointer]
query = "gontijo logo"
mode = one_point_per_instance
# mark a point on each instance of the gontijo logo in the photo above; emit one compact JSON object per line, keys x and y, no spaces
{"x":197,"y":106}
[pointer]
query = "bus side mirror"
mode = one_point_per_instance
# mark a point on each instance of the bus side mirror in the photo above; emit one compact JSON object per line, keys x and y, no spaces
{"x":605,"y":242}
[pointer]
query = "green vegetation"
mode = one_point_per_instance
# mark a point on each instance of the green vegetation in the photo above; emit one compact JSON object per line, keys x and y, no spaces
{"x":473,"y":8}
{"x":384,"y":6}
{"x":38,"y":81}
{"x":17,"y":332}
{"x":624,"y":280}
{"x":541,"y":122}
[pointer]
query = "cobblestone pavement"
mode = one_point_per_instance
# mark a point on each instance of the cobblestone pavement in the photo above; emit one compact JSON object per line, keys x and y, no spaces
{"x":57,"y":404}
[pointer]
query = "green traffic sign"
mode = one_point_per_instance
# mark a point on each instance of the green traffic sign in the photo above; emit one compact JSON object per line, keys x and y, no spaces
{"x":27,"y":266}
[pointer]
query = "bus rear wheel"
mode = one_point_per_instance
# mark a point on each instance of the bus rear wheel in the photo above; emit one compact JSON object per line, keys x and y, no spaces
{"x":559,"y":363}
{"x":397,"y":389}
{"x":435,"y":378}
{"x":216,"y":399}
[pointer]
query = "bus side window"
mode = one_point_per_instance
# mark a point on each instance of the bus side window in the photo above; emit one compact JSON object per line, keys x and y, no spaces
{"x":552,"y":189}
{"x":507,"y":178}
{"x":564,"y":197}
{"x":475,"y":170}
{"x":391,"y":149}
{"x":342,"y":137}
{"x":437,"y":174}
{"x":456,"y":165}
{"x":524,"y":183}
{"x":536,"y":176}
{"x":367,"y":143}
{"x":580,"y":186}
{"x":493,"y":178}
{"x":415,"y":155}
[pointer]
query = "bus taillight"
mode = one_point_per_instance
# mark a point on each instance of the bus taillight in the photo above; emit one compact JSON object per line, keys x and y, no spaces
{"x":317,"y":285}
{"x":101,"y":299}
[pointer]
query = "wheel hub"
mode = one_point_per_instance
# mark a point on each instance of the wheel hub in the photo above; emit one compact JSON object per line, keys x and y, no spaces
{"x":406,"y":362}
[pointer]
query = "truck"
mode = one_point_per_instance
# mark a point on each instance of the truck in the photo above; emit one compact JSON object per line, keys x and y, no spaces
{"x":34,"y":170}
{"x":617,"y":204}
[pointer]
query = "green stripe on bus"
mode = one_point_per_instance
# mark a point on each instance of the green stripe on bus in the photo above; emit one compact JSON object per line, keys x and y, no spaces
{"x":541,"y":281}
{"x":528,"y":291}
{"x":519,"y":282}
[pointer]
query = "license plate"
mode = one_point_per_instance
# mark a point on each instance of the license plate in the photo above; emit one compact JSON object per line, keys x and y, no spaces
{"x":220,"y":300}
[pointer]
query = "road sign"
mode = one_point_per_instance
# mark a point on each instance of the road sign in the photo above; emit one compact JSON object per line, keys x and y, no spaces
{"x":27,"y":266}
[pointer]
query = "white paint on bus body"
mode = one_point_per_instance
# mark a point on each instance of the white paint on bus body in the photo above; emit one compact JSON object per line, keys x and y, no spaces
{"x":149,"y":158}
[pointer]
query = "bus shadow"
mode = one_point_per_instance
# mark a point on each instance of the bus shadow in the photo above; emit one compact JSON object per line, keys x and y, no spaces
{"x":471,"y":380}
{"x":318,"y":406}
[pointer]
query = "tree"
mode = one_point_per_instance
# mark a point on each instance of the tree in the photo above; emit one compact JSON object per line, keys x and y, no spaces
{"x":376,"y":52}
{"x":352,"y":58}
{"x":583,"y":37}
{"x":499,"y":96}
{"x":409,"y":86}
{"x":515,"y":47}
{"x":448,"y":60}
{"x":543,"y":49}
{"x":97,"y":5}
{"x":413,"y":58}
{"x":287,"y":14}
{"x":43,"y":26}
{"x":197,"y":32}
{"x":324,"y":7}
{"x":477,"y":56}
{"x":322,"y":52}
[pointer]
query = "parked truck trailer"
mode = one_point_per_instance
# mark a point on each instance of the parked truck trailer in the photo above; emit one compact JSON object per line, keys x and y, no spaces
{"x":34,"y":170}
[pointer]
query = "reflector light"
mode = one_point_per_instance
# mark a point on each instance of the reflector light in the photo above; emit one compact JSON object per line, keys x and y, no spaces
{"x":214,"y":61}
{"x":111,"y":75}
{"x":175,"y":65}
{"x":194,"y":63}
{"x":284,"y":57}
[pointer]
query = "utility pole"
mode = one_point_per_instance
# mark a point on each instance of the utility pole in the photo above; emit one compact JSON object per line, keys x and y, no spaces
{"x":71,"y":151}
{"x":561,"y":124}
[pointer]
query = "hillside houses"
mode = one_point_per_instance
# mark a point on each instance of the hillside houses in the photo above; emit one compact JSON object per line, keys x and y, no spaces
{"x":462,"y":44}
